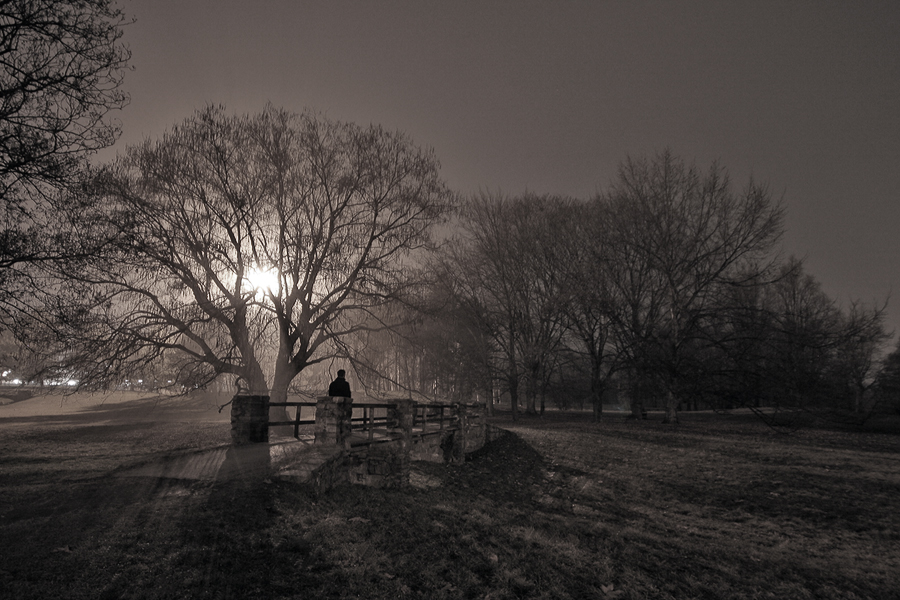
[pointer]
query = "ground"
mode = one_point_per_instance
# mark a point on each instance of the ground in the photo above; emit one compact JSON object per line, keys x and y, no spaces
{"x":717,"y":507}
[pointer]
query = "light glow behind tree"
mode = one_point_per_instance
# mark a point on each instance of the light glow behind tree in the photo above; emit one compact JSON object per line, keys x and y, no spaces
{"x":252,"y":244}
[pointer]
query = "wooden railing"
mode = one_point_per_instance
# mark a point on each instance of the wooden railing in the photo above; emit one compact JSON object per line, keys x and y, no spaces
{"x":371,"y":423}
{"x":297,"y":421}
{"x":432,"y":419}
{"x":380,"y":422}
{"x":374,"y":423}
{"x":373,"y":444}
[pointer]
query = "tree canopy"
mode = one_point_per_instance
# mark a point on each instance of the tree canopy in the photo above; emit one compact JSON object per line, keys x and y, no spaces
{"x":61,"y":67}
{"x":247,"y":245}
{"x":666,"y":289}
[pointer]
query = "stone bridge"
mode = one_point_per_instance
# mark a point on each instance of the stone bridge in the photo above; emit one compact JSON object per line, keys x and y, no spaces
{"x":368,"y":443}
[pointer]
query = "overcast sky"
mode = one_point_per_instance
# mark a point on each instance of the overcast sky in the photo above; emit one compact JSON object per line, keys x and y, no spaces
{"x":550,"y":96}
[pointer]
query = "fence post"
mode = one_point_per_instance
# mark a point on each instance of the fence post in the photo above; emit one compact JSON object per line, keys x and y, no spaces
{"x":460,"y":440}
{"x":333,"y":414}
{"x":403,"y":414}
{"x":249,"y":419}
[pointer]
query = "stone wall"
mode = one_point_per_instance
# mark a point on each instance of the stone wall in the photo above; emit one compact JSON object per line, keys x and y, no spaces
{"x":333,"y":472}
{"x":249,"y":420}
{"x":387,"y":464}
{"x":379,"y":465}
{"x":333,"y":414}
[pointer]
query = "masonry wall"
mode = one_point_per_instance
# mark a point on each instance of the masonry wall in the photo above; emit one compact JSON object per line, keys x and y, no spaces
{"x":387,"y":464}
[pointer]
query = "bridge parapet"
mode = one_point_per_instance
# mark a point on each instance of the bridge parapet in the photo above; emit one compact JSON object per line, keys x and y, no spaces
{"x":334,"y":419}
{"x":368,"y":443}
{"x":378,"y":441}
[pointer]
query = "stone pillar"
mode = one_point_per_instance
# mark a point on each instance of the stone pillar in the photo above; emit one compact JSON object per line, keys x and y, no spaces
{"x":333,"y":414}
{"x":249,"y":419}
{"x":402,"y":415}
{"x":458,"y":450}
{"x":477,"y":426}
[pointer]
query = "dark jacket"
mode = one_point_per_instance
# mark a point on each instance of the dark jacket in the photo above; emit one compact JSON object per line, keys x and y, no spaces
{"x":339,"y":387}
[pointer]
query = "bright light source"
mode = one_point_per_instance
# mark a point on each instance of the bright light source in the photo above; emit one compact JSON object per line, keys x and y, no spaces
{"x":262,"y":280}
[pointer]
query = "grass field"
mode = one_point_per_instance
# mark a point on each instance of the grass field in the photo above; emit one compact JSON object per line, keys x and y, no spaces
{"x":716,"y":507}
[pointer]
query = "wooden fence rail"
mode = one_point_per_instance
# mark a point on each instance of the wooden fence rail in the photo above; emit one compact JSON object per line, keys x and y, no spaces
{"x":297,"y":421}
{"x":338,"y":420}
{"x":372,"y":444}
{"x":371,"y":423}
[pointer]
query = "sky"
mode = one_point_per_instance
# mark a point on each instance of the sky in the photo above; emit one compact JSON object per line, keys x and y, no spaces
{"x":550,"y":97}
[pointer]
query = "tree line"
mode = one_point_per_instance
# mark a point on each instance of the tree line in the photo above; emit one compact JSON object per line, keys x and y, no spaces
{"x":262,"y":248}
{"x":667,"y":290}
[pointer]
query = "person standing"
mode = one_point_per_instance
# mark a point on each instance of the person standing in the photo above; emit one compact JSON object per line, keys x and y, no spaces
{"x":340,"y":386}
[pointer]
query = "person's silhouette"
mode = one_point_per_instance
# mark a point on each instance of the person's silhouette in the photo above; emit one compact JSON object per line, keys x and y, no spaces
{"x":340,"y":386}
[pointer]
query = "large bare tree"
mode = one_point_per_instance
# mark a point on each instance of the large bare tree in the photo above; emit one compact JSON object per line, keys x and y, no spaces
{"x":585,"y":260}
{"x":505,"y":272}
{"x":61,"y":66}
{"x":247,"y":244}
{"x":685,"y":235}
{"x":818,"y":356}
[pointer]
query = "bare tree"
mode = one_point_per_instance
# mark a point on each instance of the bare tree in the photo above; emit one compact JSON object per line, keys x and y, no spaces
{"x":539,"y":222}
{"x":508,"y":276}
{"x":634,"y":297}
{"x":250,"y":245}
{"x":863,"y":338}
{"x":887,"y":383}
{"x":585,"y":263}
{"x":482,"y":274}
{"x":806,"y":333}
{"x":817,"y":355}
{"x":61,"y":65}
{"x":689,"y":234}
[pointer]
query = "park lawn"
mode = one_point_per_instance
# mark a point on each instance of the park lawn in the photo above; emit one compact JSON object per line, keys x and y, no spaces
{"x":716,"y":507}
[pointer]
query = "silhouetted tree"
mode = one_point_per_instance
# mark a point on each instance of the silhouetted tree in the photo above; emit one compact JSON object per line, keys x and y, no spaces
{"x":816,"y":355}
{"x":248,"y":244}
{"x":585,"y":265}
{"x":684,"y":235}
{"x":887,"y":383}
{"x":61,"y":64}
{"x":506,"y":274}
{"x":862,"y":338}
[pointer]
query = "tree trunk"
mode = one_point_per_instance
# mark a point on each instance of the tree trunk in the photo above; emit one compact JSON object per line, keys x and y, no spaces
{"x":531,"y":391}
{"x":283,"y":379}
{"x":637,"y":407}
{"x":530,"y":404}
{"x":597,"y":401}
{"x":513,"y":381}
{"x":637,"y":400}
{"x":284,"y":375}
{"x":255,"y":379}
{"x":598,"y":408}
{"x":489,"y":402}
{"x":514,"y":396}
{"x":671,"y":408}
{"x":597,"y":388}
